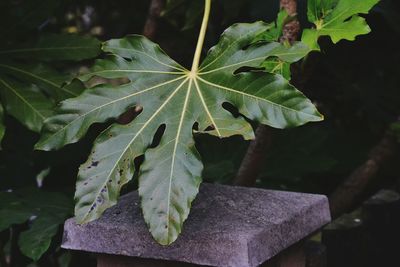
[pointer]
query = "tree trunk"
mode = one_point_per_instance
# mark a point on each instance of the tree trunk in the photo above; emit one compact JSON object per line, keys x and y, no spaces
{"x":347,"y":195}
{"x":256,"y":154}
{"x":151,"y":25}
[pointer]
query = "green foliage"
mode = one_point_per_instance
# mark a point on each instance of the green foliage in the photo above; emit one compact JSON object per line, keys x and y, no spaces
{"x":274,"y":32}
{"x":35,"y":74}
{"x":29,"y":91}
{"x":275,"y":64}
{"x":26,"y":103}
{"x":29,"y":88}
{"x":37,"y":66}
{"x":56,"y":47}
{"x":43,"y":211}
{"x":337,"y":19}
{"x":278,"y":66}
{"x":177,"y":98}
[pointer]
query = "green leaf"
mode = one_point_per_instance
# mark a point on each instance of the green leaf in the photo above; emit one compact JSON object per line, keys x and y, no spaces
{"x":278,"y":66}
{"x":37,"y":239}
{"x":275,"y":31}
{"x":46,"y":78}
{"x":12,"y":211}
{"x":297,"y":51}
{"x":183,"y":102}
{"x":57,"y":47}
{"x":319,"y":9}
{"x":281,"y":63}
{"x":25,"y":102}
{"x":15,"y":216}
{"x":337,"y":19}
{"x":2,"y":126}
{"x":44,"y":210}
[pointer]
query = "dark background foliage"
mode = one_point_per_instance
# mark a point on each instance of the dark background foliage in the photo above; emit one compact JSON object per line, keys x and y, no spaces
{"x":354,"y":84}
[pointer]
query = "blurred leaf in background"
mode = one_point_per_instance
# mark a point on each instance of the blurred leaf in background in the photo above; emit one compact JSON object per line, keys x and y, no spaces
{"x":29,"y":91}
{"x":42,"y":211}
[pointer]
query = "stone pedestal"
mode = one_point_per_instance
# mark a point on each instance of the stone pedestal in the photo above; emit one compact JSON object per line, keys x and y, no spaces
{"x":228,"y":227}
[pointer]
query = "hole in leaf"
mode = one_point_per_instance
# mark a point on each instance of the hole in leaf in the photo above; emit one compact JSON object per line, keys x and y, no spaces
{"x":157,"y":136}
{"x":195,"y":126}
{"x":129,"y":115}
{"x":210,"y":128}
{"x":231,"y":108}
{"x":97,"y":81}
{"x":138,"y":161}
{"x":247,"y":69}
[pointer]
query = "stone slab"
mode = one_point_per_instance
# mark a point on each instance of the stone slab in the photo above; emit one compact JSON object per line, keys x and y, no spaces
{"x":228,"y":226}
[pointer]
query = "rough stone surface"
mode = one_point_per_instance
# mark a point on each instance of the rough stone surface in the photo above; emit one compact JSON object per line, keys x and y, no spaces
{"x":228,"y":226}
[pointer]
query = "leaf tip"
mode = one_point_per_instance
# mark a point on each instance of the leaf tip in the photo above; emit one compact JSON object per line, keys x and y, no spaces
{"x":41,"y":145}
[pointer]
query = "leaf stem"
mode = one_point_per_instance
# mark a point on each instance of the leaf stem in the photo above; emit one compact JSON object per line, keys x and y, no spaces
{"x":200,"y":41}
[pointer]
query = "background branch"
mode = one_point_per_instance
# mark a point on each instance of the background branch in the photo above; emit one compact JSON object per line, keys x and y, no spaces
{"x":256,"y":154}
{"x":347,"y":195}
{"x":151,"y":25}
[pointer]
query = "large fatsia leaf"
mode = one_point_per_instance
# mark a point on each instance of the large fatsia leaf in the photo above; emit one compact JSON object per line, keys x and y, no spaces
{"x":25,"y":102}
{"x":337,"y":19}
{"x":57,"y":47}
{"x":180,"y":102}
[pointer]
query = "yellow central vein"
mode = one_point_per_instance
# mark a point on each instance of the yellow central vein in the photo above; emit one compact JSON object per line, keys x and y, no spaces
{"x":174,"y":152}
{"x":205,"y":107}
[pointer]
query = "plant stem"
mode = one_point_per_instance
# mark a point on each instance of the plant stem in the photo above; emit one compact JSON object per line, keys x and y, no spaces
{"x":200,"y":41}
